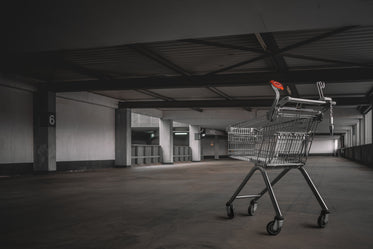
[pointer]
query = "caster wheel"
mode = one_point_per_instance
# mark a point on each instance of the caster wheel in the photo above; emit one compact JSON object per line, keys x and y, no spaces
{"x":273,"y":229}
{"x":230,"y":211}
{"x":322,"y":220}
{"x":252,"y":208}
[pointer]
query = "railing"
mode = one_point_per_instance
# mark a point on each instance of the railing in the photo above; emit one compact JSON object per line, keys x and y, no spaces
{"x":182,"y":153}
{"x":362,"y":154}
{"x":146,"y":154}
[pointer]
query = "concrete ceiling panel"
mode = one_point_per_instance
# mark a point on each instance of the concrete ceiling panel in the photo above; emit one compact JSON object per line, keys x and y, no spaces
{"x":248,"y":91}
{"x":126,"y":95}
{"x":187,"y":93}
{"x":50,"y":25}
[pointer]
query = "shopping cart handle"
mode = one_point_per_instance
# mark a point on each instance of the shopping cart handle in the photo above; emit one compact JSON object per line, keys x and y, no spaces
{"x":279,"y":105}
{"x":289,"y":99}
{"x":277,"y":84}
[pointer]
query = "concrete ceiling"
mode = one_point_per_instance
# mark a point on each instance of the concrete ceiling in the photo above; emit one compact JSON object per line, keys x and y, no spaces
{"x":41,"y":25}
{"x":198,"y":62}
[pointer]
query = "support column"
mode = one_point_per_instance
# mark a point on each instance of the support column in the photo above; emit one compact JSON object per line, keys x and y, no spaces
{"x":351,"y":138}
{"x":166,"y":140}
{"x":216,"y":148}
{"x":347,"y":139}
{"x":368,"y":127}
{"x":357,"y":132}
{"x":362,"y":131}
{"x":44,"y":131}
{"x":123,"y":141}
{"x":195,"y":142}
{"x":371,"y":124}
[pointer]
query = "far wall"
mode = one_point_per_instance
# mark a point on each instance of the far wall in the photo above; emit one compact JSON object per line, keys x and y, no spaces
{"x":84,"y":131}
{"x":323,"y":145}
{"x":209,"y":143}
{"x":16,"y":126}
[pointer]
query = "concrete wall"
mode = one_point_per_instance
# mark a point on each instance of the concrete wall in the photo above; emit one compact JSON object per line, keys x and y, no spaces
{"x":321,"y":145}
{"x":16,"y":125}
{"x":208,"y":144}
{"x":84,"y":131}
{"x":139,"y":120}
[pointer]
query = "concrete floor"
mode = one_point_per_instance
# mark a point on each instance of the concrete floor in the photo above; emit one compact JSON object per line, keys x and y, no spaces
{"x":183,"y":206}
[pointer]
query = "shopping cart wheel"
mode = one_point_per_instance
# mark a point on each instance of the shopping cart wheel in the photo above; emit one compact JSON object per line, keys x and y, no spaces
{"x":323,"y":219}
{"x":274,"y":227}
{"x":230,"y":211}
{"x":252,"y":208}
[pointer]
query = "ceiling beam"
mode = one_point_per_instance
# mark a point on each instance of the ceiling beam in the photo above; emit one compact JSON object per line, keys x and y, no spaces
{"x":154,"y":94}
{"x":220,"y":103}
{"x":144,"y":50}
{"x":223,"y":45}
{"x":335,"y":62}
{"x":245,"y":79}
{"x":277,"y":62}
{"x":225,"y":96}
{"x":220,"y":93}
{"x":160,"y":96}
{"x":287,"y":48}
{"x":290,"y":55}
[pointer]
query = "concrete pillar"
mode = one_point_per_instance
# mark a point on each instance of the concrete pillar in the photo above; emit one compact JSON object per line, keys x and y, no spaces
{"x":351,"y":138}
{"x":368,"y":127}
{"x":347,"y":139}
{"x":216,"y":148}
{"x":123,"y":141}
{"x":371,"y":124}
{"x":357,"y":134}
{"x":44,"y":131}
{"x":342,"y":141}
{"x":195,"y":142}
{"x":362,"y":131}
{"x":166,"y":140}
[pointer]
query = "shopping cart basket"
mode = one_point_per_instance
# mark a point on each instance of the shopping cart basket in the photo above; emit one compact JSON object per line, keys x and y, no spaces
{"x":282,"y":140}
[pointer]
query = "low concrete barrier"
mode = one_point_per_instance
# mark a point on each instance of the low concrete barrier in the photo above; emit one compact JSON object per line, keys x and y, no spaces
{"x":362,"y":154}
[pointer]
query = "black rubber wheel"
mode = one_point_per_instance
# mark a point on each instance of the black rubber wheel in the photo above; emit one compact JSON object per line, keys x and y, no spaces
{"x":322,"y":221}
{"x":270,"y":229}
{"x":230,"y":211}
{"x":252,"y":208}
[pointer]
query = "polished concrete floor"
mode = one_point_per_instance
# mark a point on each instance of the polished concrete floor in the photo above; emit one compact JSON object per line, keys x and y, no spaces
{"x":183,"y":206}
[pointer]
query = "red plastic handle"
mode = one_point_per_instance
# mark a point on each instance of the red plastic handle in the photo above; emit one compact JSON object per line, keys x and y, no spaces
{"x":277,"y":84}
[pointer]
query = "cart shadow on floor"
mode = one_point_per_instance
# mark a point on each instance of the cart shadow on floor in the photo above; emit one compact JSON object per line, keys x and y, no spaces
{"x":310,"y":225}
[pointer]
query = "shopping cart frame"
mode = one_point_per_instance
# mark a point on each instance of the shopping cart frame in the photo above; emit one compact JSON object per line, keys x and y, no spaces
{"x":279,"y":109}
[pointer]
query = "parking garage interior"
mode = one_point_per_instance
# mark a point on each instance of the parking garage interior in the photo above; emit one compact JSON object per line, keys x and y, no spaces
{"x":114,"y":121}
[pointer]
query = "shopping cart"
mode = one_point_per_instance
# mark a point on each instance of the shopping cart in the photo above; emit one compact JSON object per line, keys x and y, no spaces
{"x":282,"y":140}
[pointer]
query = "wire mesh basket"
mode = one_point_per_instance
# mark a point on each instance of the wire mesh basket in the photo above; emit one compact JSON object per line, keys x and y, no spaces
{"x":280,"y":143}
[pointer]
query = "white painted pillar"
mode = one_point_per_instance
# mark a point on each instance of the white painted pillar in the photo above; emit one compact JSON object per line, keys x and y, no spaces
{"x":216,"y":148}
{"x":195,"y":142}
{"x":351,"y":136}
{"x":368,"y":127}
{"x":357,"y":132}
{"x":123,"y":140}
{"x":166,"y":140}
{"x":347,"y":139}
{"x":362,"y":131}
